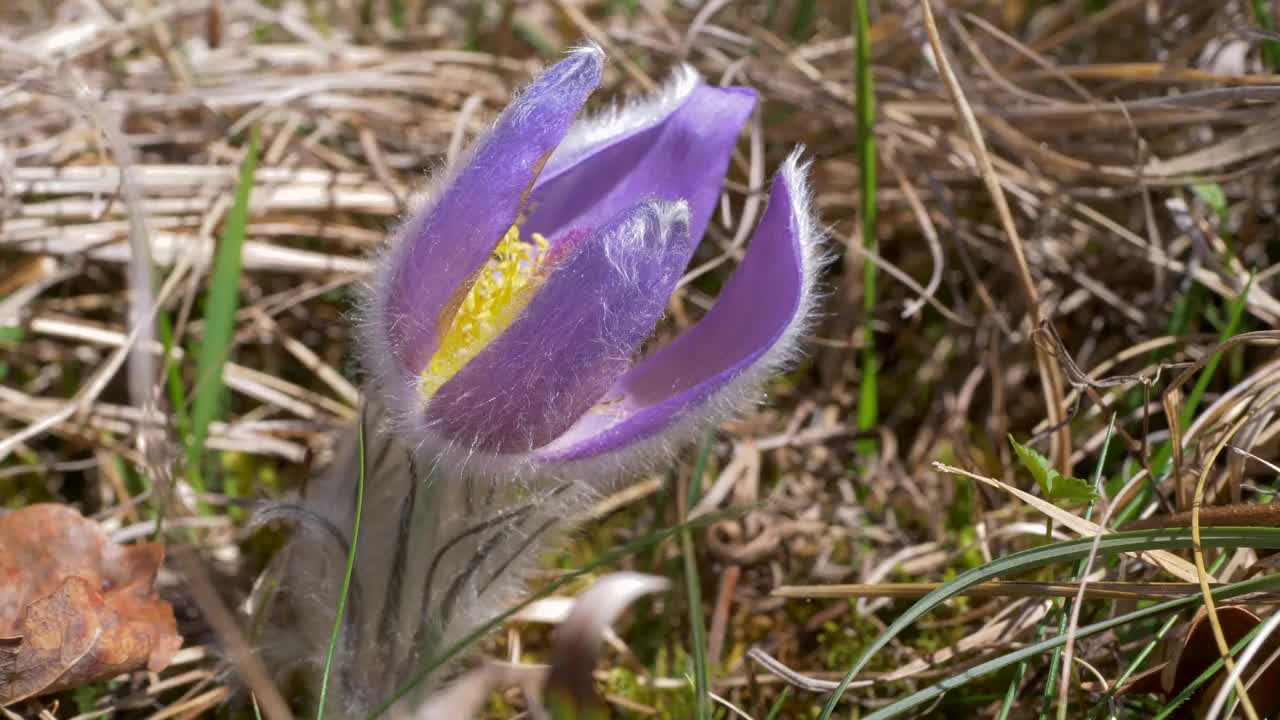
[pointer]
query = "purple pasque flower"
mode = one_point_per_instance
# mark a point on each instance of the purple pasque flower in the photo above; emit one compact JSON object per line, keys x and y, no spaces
{"x":505,"y":319}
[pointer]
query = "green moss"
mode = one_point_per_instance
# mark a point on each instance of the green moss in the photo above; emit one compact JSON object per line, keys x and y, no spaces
{"x":248,"y":476}
{"x":843,"y":643}
{"x":499,"y":707}
{"x":670,"y":704}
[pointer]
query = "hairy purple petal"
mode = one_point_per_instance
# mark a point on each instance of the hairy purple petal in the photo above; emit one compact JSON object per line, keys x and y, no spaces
{"x":600,"y":302}
{"x":430,"y":265}
{"x":675,"y":148}
{"x":714,"y":367}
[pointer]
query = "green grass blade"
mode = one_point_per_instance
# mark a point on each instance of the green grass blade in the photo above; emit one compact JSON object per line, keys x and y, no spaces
{"x":803,"y":20}
{"x":1046,"y":700}
{"x":346,"y":582}
{"x":1270,"y":48}
{"x":693,"y":589}
{"x":1142,"y":656}
{"x":173,"y":379}
{"x":777,"y":706}
{"x":1067,"y":551}
{"x":1011,"y":692}
{"x":938,"y":689}
{"x":1206,"y":375}
{"x":1149,"y":647}
{"x":1160,"y":461}
{"x":220,"y":308}
{"x":868,"y":392}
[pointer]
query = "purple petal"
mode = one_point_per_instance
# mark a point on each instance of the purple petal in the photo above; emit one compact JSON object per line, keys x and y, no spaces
{"x":672,"y":149}
{"x":430,"y":267}
{"x":716,"y":365}
{"x":578,"y":334}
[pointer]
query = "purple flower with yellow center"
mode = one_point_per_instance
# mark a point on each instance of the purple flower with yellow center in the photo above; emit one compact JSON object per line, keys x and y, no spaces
{"x":505,"y":322}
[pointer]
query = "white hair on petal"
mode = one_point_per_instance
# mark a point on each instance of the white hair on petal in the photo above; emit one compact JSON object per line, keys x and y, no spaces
{"x":597,"y":474}
{"x":634,"y":115}
{"x":400,"y":387}
{"x":746,"y":388}
{"x":666,"y":215}
{"x":485,"y":562}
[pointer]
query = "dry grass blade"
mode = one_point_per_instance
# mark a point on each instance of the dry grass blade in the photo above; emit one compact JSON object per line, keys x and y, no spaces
{"x":90,"y":391}
{"x":1167,"y":561}
{"x":1097,"y":590}
{"x":1198,"y":554}
{"x":1050,"y":378}
{"x":224,"y":622}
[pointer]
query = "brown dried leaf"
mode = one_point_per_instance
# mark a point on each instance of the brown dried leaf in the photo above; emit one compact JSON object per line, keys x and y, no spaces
{"x":74,"y":607}
{"x":1191,"y":652}
{"x":1198,"y":649}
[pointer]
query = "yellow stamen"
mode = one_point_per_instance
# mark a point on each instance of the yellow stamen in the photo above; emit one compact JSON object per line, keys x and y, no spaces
{"x":501,"y":290}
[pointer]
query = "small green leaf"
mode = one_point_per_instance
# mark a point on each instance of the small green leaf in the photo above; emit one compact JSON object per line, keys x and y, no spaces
{"x":1213,"y":195}
{"x":1053,"y":484}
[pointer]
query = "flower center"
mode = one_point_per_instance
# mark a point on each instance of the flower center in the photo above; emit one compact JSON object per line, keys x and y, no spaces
{"x":502,"y":289}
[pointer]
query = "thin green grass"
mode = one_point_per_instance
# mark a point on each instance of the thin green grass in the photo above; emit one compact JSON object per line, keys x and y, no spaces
{"x":346,"y":582}
{"x":1185,"y":694}
{"x":182,"y":420}
{"x":1140,"y":658}
{"x":1164,"y":454}
{"x":1151,"y":646}
{"x":938,"y":689}
{"x":173,"y":381}
{"x":1035,"y":558}
{"x":693,"y":588}
{"x":1077,"y":572}
{"x":868,"y":392}
{"x":1011,"y":694}
{"x":1270,"y":48}
{"x":221,"y":304}
{"x":777,"y":705}
{"x":1206,"y":375}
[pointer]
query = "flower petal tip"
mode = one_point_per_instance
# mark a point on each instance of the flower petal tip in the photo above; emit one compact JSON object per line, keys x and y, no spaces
{"x":670,"y":151}
{"x":590,"y":50}
{"x":467,"y":212}
{"x":811,"y":241}
{"x":583,"y":64}
{"x":717,"y":368}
